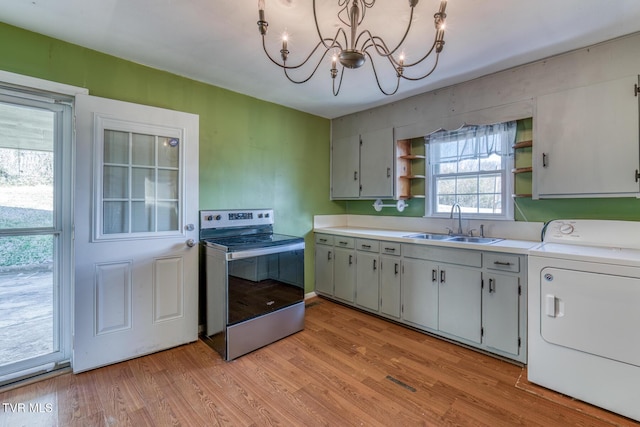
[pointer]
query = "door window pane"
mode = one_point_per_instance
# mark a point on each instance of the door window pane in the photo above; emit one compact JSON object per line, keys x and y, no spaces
{"x":143,"y":149}
{"x":167,"y":216}
{"x":116,"y":217}
{"x":140,"y":195}
{"x":116,"y":147}
{"x":143,"y":185}
{"x":167,"y":184}
{"x":116,"y":182}
{"x":142,"y":217}
{"x":26,"y":167}
{"x":27,"y":326}
{"x":169,"y":152}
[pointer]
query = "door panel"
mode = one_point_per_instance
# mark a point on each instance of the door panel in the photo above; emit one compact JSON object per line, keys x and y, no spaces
{"x":112,"y":297}
{"x":136,"y":195}
{"x":168,"y":288}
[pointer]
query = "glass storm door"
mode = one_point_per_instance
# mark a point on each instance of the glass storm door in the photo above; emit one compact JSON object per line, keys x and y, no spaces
{"x":35,"y":247}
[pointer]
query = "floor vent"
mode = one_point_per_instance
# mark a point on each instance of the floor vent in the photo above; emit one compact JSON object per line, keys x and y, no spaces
{"x":311,"y":304}
{"x":401,"y":384}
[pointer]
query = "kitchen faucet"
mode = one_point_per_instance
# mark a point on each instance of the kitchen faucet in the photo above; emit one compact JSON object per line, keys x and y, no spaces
{"x":459,"y":217}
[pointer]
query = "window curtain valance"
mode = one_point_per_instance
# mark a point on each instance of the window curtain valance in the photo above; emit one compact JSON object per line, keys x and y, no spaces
{"x":472,"y":142}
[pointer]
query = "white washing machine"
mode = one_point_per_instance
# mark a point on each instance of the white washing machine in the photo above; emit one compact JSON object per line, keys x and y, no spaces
{"x":584,"y":313}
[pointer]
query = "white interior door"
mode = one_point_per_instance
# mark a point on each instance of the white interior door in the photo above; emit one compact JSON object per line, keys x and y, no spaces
{"x":136,"y":214}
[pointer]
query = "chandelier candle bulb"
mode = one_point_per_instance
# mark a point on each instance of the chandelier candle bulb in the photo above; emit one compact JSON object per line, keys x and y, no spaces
{"x":443,"y":6}
{"x":262,"y":24}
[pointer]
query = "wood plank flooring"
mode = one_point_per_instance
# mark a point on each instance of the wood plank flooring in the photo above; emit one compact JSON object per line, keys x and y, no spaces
{"x":346,"y":368}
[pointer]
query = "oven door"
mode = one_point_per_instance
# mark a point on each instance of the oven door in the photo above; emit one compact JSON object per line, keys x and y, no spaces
{"x":264,"y":280}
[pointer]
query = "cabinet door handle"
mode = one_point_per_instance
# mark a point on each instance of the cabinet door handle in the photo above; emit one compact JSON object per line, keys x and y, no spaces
{"x":388,"y":172}
{"x":355,"y":175}
{"x":544,"y":160}
{"x":342,"y":243}
{"x":329,"y":255}
{"x":390,"y":249}
{"x":375,"y":266}
{"x":434,"y":275}
{"x":365,"y":246}
{"x":506,"y":264}
{"x":492,"y":286}
{"x":396,"y":268}
{"x":442,"y":276}
{"x":350,"y":259}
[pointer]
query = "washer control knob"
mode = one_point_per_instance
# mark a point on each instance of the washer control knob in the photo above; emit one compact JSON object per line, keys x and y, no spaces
{"x":218,"y":217}
{"x":209,"y":218}
{"x":566,"y":229}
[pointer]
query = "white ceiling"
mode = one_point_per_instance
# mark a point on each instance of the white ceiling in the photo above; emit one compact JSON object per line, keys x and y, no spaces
{"x":217,"y":41}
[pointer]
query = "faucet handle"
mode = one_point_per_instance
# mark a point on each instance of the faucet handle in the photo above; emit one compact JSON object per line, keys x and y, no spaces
{"x":470,"y":232}
{"x":449,"y":231}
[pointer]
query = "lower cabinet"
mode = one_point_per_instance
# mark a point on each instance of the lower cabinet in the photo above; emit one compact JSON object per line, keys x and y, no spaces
{"x":419,"y":293}
{"x":460,"y":302}
{"x":324,"y":266}
{"x":504,"y":305}
{"x":367,"y":280}
{"x":345,"y":274}
{"x":475,"y":297}
{"x":390,"y":285}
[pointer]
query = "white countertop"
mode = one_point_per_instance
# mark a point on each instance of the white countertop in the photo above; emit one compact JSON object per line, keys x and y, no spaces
{"x":506,"y":245}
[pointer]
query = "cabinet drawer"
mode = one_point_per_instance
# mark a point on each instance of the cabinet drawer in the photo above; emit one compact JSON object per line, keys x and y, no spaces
{"x":451,"y":256}
{"x":367,"y":245}
{"x":390,"y":248}
{"x":344,"y":242}
{"x":496,"y":261}
{"x":324,"y":239}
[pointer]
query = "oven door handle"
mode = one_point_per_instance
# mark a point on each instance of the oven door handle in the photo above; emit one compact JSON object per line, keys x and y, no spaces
{"x":250,"y":253}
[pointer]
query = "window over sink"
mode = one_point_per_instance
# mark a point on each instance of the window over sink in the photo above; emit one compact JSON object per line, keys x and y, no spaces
{"x":471,"y":166}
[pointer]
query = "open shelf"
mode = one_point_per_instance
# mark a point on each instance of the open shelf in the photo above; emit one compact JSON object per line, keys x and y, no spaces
{"x":410,"y":167}
{"x":412,"y":157}
{"x":522,"y":170}
{"x":522,"y":144}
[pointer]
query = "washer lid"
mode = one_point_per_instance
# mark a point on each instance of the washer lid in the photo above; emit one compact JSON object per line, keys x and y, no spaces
{"x":595,"y":254}
{"x":587,"y":232}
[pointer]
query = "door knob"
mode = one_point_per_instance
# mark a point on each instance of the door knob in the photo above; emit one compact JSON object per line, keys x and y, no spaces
{"x":191,"y":243}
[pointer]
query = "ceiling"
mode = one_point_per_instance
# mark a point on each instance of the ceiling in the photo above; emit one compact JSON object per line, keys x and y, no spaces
{"x":217,"y":41}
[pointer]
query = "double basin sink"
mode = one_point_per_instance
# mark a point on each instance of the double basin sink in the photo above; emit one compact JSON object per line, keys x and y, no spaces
{"x":453,"y":238}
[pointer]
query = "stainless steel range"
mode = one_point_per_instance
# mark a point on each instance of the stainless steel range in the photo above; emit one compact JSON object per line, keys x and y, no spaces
{"x":254,"y":286}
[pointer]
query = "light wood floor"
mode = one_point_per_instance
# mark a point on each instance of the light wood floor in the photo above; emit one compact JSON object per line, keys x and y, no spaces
{"x":345,"y":369}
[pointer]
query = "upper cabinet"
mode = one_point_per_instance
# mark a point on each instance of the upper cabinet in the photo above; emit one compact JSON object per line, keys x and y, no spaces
{"x":362,"y":166}
{"x":587,"y":141}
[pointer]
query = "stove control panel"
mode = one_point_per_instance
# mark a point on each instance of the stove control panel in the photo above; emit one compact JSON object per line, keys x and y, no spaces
{"x":235,"y":218}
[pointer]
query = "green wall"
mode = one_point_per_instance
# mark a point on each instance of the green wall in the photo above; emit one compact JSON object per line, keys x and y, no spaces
{"x":253,"y":153}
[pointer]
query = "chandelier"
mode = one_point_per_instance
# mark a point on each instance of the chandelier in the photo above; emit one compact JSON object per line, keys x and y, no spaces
{"x":351,"y":48}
